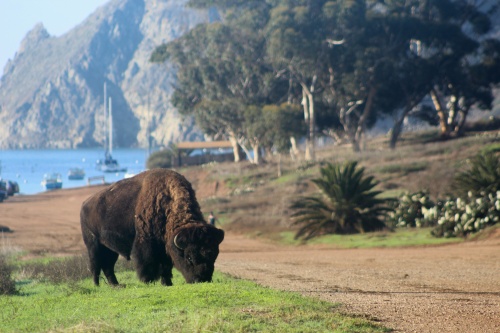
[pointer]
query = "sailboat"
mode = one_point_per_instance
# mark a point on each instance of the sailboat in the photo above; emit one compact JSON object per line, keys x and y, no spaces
{"x":109,"y":164}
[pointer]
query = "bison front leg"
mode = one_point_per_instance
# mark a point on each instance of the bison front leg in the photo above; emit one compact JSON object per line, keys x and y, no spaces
{"x":147,"y":264}
{"x":166,"y":271}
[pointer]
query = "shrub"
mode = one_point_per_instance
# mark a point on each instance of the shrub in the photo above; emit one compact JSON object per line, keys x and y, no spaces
{"x":413,"y":210}
{"x":161,"y":159}
{"x":7,"y":283}
{"x":483,"y":176}
{"x":350,"y":204}
{"x":454,"y":217}
{"x":459,"y":217}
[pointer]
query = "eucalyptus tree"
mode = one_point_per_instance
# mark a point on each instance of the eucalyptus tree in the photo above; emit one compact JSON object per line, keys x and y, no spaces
{"x":396,"y":53}
{"x":285,"y":122}
{"x":466,"y":61}
{"x":351,"y":64}
{"x":219,"y":74}
{"x":297,"y":47}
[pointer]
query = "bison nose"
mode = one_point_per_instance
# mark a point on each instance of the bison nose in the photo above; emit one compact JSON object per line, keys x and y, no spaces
{"x":201,"y":280}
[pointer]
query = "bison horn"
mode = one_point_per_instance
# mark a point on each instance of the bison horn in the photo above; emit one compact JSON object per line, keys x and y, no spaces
{"x":175,"y":243}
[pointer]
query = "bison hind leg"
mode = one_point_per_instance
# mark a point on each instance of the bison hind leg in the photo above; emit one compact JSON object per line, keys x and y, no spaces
{"x":108,"y":261}
{"x":94,"y":251}
{"x":102,"y":258}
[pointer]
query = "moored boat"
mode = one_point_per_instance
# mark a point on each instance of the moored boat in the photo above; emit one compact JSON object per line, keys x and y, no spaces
{"x":52,"y":181}
{"x":109,"y":164}
{"x":76,"y":174}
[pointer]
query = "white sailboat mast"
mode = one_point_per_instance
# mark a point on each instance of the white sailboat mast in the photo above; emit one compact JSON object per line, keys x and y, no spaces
{"x":110,"y":129}
{"x":105,"y":115}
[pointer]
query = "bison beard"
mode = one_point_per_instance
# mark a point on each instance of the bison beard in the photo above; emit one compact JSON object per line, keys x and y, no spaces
{"x":154,"y":218}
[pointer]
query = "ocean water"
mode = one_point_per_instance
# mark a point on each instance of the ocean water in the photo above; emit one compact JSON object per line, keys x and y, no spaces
{"x":27,"y":167}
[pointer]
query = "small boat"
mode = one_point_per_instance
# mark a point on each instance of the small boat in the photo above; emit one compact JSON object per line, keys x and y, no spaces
{"x":109,"y":164}
{"x":76,"y":174}
{"x":52,"y":181}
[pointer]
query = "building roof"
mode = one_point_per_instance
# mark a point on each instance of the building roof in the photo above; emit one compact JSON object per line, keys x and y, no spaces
{"x":204,"y":145}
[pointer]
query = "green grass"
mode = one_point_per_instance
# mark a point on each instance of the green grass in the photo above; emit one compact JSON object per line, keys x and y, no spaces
{"x":227,"y":305}
{"x":494,"y":147}
{"x":404,"y":168}
{"x":399,"y":238}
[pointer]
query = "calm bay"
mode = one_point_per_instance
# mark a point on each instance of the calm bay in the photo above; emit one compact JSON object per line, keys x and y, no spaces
{"x":27,"y":167}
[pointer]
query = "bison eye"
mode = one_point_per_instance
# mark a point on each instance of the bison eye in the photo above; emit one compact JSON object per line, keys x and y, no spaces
{"x":190,"y":259}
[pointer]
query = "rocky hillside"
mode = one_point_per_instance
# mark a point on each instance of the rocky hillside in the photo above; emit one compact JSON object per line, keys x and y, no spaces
{"x":51,"y":93}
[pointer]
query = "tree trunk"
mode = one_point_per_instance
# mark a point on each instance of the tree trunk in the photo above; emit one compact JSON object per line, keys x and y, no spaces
{"x":308,"y":104}
{"x":312,"y":127}
{"x":279,"y":164}
{"x":452,"y":113}
{"x":443,"y":124}
{"x":306,"y":119}
{"x":458,"y":130}
{"x":294,"y":151}
{"x":245,"y":149}
{"x":360,"y":131}
{"x":397,"y":129}
{"x":256,"y":153}
{"x":236,"y":148}
{"x":398,"y":126}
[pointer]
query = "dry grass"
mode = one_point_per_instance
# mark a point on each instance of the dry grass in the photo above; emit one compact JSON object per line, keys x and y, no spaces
{"x":63,"y":270}
{"x":7,"y":283}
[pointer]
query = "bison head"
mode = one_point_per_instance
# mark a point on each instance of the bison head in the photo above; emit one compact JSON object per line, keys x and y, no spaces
{"x":195,"y":250}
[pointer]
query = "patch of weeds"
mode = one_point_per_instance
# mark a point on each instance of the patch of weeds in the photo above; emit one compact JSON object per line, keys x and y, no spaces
{"x":7,"y":283}
{"x":6,"y":248}
{"x":307,"y":165}
{"x":236,"y":181}
{"x":404,"y":168}
{"x":65,"y":270}
{"x":437,"y":151}
{"x":289,"y":178}
{"x":216,"y":201}
{"x":59,"y":270}
{"x":492,"y":148}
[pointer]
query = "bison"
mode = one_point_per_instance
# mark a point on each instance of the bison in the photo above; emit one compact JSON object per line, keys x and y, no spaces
{"x":154,"y":218}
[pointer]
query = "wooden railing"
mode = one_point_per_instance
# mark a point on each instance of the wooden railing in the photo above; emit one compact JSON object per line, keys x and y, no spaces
{"x":96,"y":178}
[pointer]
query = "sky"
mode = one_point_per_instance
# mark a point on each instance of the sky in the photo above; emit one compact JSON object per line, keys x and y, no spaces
{"x":18,"y":17}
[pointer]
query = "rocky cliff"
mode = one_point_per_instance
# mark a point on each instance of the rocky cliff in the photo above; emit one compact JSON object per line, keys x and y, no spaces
{"x":52,"y":96}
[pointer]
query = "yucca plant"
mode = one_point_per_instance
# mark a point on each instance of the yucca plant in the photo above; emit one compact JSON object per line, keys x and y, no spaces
{"x":481,"y":178}
{"x":349,"y":204}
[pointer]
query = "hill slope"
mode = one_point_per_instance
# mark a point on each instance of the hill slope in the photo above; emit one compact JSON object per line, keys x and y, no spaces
{"x":51,"y":93}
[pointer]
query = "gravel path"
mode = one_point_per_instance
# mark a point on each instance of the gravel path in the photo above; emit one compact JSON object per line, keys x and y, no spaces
{"x":452,"y":288}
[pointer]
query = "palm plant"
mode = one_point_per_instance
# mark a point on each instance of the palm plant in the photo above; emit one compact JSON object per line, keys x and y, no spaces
{"x":350,"y":205}
{"x":483,"y":176}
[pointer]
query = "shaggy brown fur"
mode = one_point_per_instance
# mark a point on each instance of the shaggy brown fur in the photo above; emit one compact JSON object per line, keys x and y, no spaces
{"x":140,"y":217}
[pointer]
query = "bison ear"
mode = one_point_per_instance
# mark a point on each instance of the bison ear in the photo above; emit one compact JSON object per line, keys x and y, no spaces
{"x":218,"y":235}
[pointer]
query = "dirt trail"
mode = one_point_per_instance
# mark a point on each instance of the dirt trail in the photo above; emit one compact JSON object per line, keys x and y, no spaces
{"x":452,"y":288}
